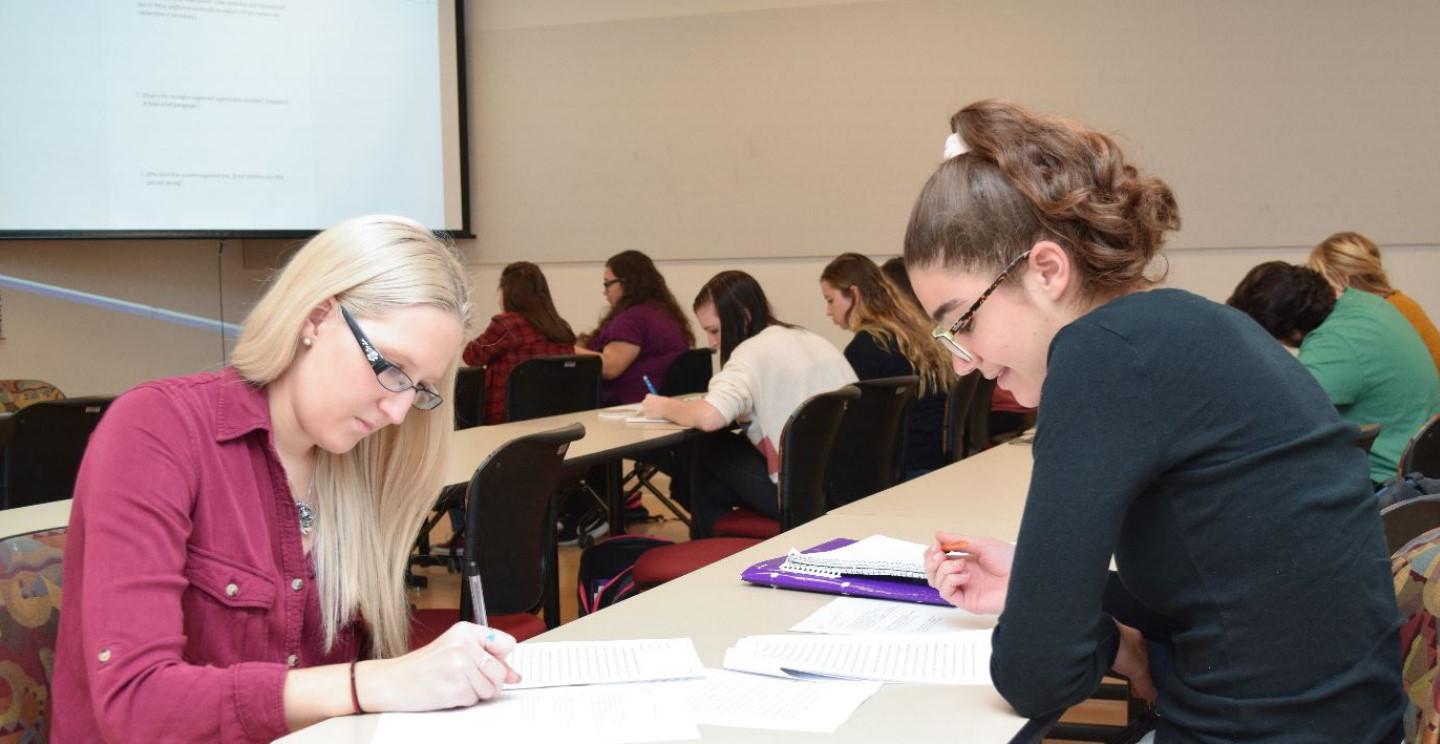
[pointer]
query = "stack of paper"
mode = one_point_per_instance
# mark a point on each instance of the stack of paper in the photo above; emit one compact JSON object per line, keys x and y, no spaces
{"x":852,"y":615}
{"x":940,"y":658}
{"x":603,"y":662}
{"x":876,"y":555}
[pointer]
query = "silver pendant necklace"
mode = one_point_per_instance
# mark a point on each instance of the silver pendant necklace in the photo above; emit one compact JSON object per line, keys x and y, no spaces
{"x":307,"y":513}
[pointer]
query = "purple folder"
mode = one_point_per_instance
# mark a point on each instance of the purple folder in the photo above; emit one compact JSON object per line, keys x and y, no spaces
{"x":768,"y":573}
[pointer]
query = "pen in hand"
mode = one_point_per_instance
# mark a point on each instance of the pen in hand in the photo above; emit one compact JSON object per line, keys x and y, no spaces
{"x":477,"y":602}
{"x":648,"y":384}
{"x":957,"y":549}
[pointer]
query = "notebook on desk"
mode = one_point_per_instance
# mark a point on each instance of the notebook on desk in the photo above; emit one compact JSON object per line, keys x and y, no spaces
{"x":843,"y":577}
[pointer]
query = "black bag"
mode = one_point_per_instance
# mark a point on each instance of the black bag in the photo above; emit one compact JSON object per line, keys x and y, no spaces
{"x":1411,"y":486}
{"x":605,"y":570}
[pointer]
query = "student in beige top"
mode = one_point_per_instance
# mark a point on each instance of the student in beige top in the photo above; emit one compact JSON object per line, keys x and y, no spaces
{"x":1349,"y":259}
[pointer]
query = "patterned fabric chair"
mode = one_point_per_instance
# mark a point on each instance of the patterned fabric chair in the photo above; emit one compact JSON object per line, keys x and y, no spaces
{"x":30,"y":574}
{"x":1416,"y":570}
{"x":16,"y":394}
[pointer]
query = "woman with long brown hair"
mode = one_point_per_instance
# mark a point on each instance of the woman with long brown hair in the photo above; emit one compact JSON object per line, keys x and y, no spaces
{"x":890,"y":341}
{"x":1174,"y":436}
{"x":527,"y":326}
{"x":642,"y":332}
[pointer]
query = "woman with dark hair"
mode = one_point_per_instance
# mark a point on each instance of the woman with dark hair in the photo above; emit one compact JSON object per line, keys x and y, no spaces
{"x":1174,"y":436}
{"x":642,"y":332}
{"x":1361,"y":350}
{"x":527,"y":326}
{"x":768,"y":368}
{"x":890,"y":341}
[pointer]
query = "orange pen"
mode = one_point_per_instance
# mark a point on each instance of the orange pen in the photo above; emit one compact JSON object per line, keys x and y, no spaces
{"x":956,"y":549}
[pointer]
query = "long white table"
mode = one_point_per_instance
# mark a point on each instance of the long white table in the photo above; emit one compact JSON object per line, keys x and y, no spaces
{"x":982,"y":495}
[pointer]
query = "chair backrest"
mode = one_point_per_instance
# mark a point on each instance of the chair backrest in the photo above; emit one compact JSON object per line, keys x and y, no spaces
{"x":805,"y":446}
{"x":689,"y":373}
{"x":551,"y":385}
{"x":510,"y":523}
{"x":957,"y":414}
{"x":31,"y":574}
{"x":1366,"y":438}
{"x":46,"y":447}
{"x":1408,"y":519}
{"x":977,"y":419}
{"x":1415,"y":569}
{"x":18,"y":394}
{"x":469,"y":397}
{"x":869,"y":451}
{"x":1422,"y":453}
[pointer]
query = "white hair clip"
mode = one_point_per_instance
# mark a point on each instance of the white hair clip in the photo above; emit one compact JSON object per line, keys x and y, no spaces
{"x":954,"y":146}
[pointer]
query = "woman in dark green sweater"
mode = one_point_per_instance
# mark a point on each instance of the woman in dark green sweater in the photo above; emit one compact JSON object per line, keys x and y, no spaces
{"x":1173,"y":435}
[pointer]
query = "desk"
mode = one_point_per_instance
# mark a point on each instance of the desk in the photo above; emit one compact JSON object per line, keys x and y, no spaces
{"x":28,"y":519}
{"x":691,"y":605}
{"x":606,"y":441}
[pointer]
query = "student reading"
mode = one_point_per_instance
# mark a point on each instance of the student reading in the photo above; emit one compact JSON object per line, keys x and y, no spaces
{"x":238,"y":538}
{"x":1174,"y":435}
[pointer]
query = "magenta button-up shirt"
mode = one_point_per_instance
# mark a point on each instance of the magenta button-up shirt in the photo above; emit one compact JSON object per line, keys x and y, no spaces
{"x":188,"y":594}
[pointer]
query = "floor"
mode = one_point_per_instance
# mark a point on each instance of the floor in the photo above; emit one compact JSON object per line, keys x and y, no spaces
{"x":444,"y":592}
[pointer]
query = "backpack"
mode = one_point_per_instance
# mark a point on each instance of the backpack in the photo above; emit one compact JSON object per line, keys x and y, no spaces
{"x":605,"y":570}
{"x":1411,"y":486}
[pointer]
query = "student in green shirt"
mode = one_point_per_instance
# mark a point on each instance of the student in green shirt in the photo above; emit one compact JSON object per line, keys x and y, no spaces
{"x":1368,"y":358}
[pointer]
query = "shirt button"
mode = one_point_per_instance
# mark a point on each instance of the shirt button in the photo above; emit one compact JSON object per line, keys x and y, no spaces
{"x":231,"y":590}
{"x":104,"y":655}
{"x":297,"y":584}
{"x":292,"y":660}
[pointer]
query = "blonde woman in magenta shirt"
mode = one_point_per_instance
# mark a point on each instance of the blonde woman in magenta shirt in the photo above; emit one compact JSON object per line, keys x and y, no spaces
{"x":642,"y":332}
{"x":237,"y":541}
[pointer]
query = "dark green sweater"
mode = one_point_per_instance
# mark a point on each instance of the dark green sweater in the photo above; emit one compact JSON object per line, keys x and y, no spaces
{"x":1177,"y":436}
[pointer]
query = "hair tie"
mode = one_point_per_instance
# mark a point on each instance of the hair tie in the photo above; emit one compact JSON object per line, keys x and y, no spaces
{"x":954,"y":146}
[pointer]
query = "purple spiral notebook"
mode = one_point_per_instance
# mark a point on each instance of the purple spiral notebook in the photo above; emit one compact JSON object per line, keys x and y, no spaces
{"x":768,"y":573}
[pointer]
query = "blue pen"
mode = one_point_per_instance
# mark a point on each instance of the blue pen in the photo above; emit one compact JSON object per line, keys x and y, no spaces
{"x":648,"y":384}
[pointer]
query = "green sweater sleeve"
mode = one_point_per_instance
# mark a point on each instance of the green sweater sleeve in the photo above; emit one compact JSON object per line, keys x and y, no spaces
{"x":1096,"y":450}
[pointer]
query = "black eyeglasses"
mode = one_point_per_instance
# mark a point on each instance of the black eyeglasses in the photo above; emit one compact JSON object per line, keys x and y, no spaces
{"x":391,"y":377}
{"x":946,"y":337}
{"x":608,"y":282}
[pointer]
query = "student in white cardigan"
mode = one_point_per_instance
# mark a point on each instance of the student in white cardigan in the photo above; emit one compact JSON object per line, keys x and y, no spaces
{"x":768,"y":368}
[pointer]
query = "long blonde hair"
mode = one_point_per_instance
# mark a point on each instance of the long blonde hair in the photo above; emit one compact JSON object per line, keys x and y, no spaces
{"x":1349,"y":259}
{"x":371,"y":500}
{"x":880,"y":310}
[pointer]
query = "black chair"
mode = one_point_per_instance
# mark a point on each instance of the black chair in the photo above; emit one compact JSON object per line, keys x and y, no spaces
{"x":469,"y":397}
{"x":869,"y":451}
{"x":510,"y":525}
{"x":45,"y":449}
{"x":957,"y":415}
{"x":689,"y":373}
{"x":552,"y":385}
{"x":1422,"y":453}
{"x":7,"y":430}
{"x":1406,"y":520}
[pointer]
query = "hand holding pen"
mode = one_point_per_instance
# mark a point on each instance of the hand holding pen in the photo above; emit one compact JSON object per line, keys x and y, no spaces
{"x":970,"y":572}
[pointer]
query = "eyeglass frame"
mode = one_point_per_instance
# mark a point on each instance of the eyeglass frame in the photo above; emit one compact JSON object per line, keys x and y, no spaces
{"x":606,"y":283}
{"x":946,"y":337}
{"x":426,"y":398}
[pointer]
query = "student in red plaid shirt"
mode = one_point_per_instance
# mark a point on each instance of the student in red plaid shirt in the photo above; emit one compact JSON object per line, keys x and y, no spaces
{"x":528,"y":326}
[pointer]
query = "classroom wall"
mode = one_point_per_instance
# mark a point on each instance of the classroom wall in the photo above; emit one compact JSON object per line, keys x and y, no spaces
{"x":1232,"y":124}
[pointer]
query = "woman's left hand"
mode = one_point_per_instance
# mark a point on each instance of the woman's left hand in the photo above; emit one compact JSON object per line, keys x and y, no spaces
{"x":1132,"y":662}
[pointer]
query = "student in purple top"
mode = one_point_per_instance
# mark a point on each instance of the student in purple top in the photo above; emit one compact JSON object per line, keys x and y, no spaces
{"x":641,"y":334}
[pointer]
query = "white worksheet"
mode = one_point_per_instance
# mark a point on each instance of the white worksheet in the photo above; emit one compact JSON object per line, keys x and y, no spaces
{"x":612,"y":714}
{"x":564,"y":663}
{"x":850,"y":615}
{"x":934,"y":658}
{"x":741,"y":700}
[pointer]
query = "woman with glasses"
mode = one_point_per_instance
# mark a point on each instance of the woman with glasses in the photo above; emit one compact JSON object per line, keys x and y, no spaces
{"x":890,"y":341}
{"x":527,"y":326}
{"x":237,"y":543}
{"x":767,"y":369}
{"x":642,"y":332}
{"x":1174,"y":436}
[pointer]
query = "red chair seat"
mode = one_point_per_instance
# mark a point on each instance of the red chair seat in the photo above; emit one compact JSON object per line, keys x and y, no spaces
{"x":659,"y":565}
{"x":427,"y":625}
{"x":745,"y":523}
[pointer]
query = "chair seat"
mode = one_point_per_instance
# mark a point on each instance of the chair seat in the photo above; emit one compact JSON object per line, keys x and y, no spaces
{"x":745,"y":523}
{"x":659,"y":565}
{"x":427,"y":625}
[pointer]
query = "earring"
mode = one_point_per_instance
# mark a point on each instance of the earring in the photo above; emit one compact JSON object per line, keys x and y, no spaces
{"x":307,"y":341}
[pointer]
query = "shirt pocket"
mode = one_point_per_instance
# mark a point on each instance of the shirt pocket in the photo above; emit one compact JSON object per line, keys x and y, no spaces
{"x":228,"y":608}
